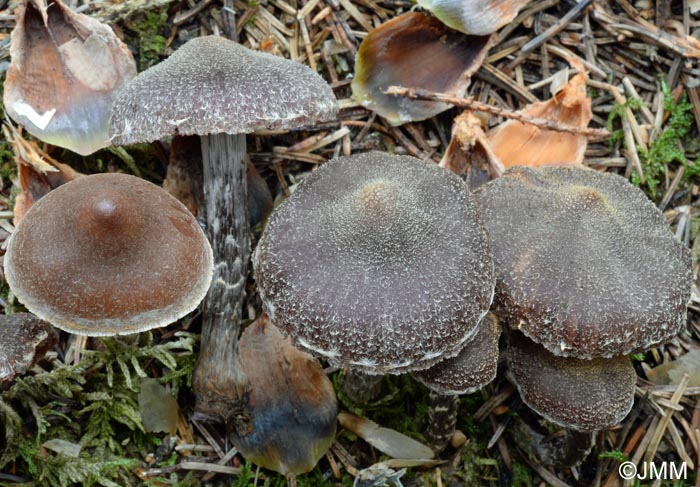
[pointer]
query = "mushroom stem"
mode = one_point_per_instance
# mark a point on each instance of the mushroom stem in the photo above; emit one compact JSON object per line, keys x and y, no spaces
{"x":442,"y":419}
{"x":361,"y":388}
{"x":226,"y":209}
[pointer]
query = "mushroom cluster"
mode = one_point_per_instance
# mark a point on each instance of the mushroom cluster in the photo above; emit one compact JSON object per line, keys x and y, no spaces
{"x":378,"y":263}
{"x":381,"y":264}
{"x":587,"y":272}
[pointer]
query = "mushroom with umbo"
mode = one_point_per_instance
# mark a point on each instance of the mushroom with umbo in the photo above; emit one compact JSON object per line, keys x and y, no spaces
{"x":108,"y":254}
{"x":377,"y":263}
{"x":587,"y":268}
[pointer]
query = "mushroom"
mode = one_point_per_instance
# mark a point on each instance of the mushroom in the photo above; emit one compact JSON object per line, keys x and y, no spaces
{"x":472,"y":369}
{"x":108,"y":254}
{"x":65,"y":71}
{"x":585,"y":264}
{"x":220,"y":90}
{"x":585,"y":395}
{"x":408,"y":51}
{"x":378,"y":263}
{"x":25,"y":340}
{"x":587,"y":268}
{"x":284,"y":410}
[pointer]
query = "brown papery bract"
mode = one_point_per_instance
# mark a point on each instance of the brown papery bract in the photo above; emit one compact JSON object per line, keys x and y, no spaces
{"x":411,"y":50}
{"x":519,"y":144}
{"x":284,"y":407}
{"x":65,"y":71}
{"x":38,"y":173}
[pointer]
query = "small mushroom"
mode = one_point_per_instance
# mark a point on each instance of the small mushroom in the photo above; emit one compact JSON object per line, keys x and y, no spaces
{"x":378,"y":263}
{"x":470,"y":370}
{"x":219,"y":90}
{"x":585,"y":395}
{"x":284,"y":412}
{"x":25,"y":340}
{"x":64,"y":74}
{"x":108,"y":254}
{"x":474,"y":17}
{"x":409,"y":51}
{"x":585,"y":264}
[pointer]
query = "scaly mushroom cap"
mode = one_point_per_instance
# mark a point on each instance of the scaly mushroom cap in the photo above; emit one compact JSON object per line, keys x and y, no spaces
{"x":65,"y":72}
{"x":108,"y":254}
{"x":25,"y":340}
{"x":587,"y":395}
{"x":285,"y":415}
{"x":585,"y":263}
{"x":213,"y":85}
{"x":378,"y":263}
{"x":474,"y":366}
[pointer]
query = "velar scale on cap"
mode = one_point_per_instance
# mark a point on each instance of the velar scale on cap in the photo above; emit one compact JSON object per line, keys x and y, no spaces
{"x":108,"y":254}
{"x":378,"y":263}
{"x":585,"y":263}
{"x":213,"y":85}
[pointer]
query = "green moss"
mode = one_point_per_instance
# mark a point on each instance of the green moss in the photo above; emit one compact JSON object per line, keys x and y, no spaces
{"x":92,"y":404}
{"x":148,"y":29}
{"x":667,"y":148}
{"x":522,"y":476}
{"x":618,"y":113}
{"x":616,"y":455}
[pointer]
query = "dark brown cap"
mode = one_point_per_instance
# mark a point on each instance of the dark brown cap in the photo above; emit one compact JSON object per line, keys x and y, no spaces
{"x":472,"y":369}
{"x":378,"y":263}
{"x":214,"y":85}
{"x":585,"y":264}
{"x":25,"y":339}
{"x":582,"y":394}
{"x":108,"y":254}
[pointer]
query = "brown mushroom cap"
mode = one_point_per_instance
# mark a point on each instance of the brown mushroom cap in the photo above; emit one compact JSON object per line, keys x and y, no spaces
{"x":586,"y":265}
{"x":108,"y":254}
{"x":472,"y":369}
{"x":25,"y":339}
{"x":378,"y":263}
{"x":582,"y":394}
{"x":214,"y":85}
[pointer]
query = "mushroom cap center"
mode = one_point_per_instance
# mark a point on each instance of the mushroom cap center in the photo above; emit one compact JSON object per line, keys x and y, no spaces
{"x":377,"y":199}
